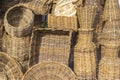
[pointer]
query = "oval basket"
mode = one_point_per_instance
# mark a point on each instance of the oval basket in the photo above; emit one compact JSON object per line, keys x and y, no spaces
{"x":38,"y":6}
{"x":49,"y":71}
{"x":17,"y":48}
{"x":18,"y":21}
{"x":9,"y":69}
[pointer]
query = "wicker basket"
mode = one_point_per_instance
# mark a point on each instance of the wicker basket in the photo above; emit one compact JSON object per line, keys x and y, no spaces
{"x":9,"y":69}
{"x":50,"y":45}
{"x":17,"y":48}
{"x":86,"y":16}
{"x":49,"y":71}
{"x":85,"y":56}
{"x":62,"y":22}
{"x":38,"y":6}
{"x":17,"y":22}
{"x":111,"y":10}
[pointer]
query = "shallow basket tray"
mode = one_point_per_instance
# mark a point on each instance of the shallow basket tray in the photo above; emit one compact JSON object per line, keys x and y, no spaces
{"x":9,"y":68}
{"x":49,"y":71}
{"x":48,"y":45}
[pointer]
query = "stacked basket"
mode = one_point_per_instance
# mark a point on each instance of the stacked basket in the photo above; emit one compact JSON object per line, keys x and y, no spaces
{"x":16,"y":39}
{"x":109,"y":67}
{"x":85,"y":50}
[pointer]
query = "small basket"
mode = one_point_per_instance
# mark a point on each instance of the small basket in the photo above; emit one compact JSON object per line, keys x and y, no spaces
{"x":17,"y":48}
{"x":18,"y":21}
{"x":49,"y":71}
{"x":111,"y":10}
{"x":38,"y":6}
{"x":86,"y":16}
{"x":62,"y":22}
{"x":50,"y":45}
{"x":9,"y":68}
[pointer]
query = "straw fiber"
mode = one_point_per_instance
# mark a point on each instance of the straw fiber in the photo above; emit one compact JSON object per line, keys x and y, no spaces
{"x":17,"y":22}
{"x":50,"y":45}
{"x":62,"y":22}
{"x":49,"y":71}
{"x":17,"y":48}
{"x":9,"y":69}
{"x":38,"y":6}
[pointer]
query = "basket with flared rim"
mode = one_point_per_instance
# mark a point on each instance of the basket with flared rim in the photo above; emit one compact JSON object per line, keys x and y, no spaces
{"x":86,"y":16}
{"x":9,"y":68}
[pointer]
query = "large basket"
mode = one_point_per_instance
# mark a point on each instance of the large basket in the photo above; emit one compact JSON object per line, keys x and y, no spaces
{"x":62,"y":22}
{"x":38,"y":6}
{"x":17,"y":48}
{"x":111,"y":10}
{"x":109,"y":69}
{"x":86,"y":16}
{"x":18,"y":21}
{"x":9,"y":69}
{"x":50,"y":45}
{"x":49,"y":71}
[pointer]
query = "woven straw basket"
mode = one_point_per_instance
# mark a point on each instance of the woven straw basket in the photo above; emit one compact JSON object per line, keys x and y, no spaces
{"x":38,"y":6}
{"x":17,"y":48}
{"x":18,"y":21}
{"x":85,"y":57}
{"x":49,"y":71}
{"x":111,"y":10}
{"x":86,"y":16}
{"x":50,"y":45}
{"x":62,"y":22}
{"x":9,"y":69}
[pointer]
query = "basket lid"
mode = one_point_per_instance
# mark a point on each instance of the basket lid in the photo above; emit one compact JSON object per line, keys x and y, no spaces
{"x":9,"y":68}
{"x":49,"y":71}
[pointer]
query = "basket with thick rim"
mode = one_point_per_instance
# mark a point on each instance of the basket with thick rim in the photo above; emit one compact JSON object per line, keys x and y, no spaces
{"x":48,"y":45}
{"x":86,"y":16}
{"x":18,"y":21}
{"x":49,"y":71}
{"x":17,"y":48}
{"x":9,"y":68}
{"x":62,"y":22}
{"x":38,"y":6}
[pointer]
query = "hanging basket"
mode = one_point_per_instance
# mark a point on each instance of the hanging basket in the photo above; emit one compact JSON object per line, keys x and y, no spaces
{"x":38,"y":6}
{"x":49,"y":71}
{"x":9,"y":68}
{"x":18,"y":21}
{"x":17,"y":48}
{"x":62,"y":22}
{"x":50,"y":45}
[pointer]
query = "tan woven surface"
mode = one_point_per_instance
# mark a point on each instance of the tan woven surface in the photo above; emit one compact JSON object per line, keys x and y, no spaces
{"x":50,"y":45}
{"x":9,"y":68}
{"x":49,"y":71}
{"x":62,"y":22}
{"x":38,"y":6}
{"x":17,"y":22}
{"x":17,"y":48}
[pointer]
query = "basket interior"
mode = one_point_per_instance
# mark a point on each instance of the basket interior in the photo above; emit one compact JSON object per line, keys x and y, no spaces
{"x":19,"y":16}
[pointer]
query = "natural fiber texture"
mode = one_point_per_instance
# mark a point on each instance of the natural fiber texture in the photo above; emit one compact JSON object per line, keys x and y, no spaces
{"x":91,"y":2}
{"x":111,"y":10}
{"x":50,"y":45}
{"x":85,"y":57}
{"x":109,"y":68}
{"x":49,"y":71}
{"x":17,"y":48}
{"x":18,"y":21}
{"x":62,"y":22}
{"x":9,"y":69}
{"x":38,"y":6}
{"x":86,"y":16}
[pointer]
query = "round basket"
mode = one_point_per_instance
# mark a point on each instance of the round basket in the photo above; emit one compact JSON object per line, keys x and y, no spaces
{"x":49,"y":71}
{"x":17,"y":48}
{"x":38,"y":6}
{"x":18,"y":21}
{"x":9,"y":69}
